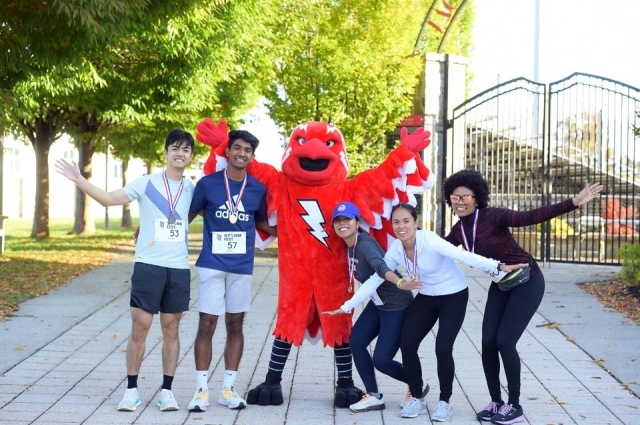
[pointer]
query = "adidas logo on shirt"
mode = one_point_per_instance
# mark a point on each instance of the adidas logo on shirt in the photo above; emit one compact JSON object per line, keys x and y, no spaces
{"x":225,"y":209}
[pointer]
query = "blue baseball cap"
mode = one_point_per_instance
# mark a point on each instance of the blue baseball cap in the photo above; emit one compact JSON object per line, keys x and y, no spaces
{"x":345,"y":209}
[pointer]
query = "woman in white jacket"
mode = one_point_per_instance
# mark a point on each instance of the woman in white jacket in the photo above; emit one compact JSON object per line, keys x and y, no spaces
{"x":442,"y":298}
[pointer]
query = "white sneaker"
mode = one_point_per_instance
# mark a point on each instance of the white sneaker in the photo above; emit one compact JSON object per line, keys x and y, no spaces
{"x":231,"y":399}
{"x":167,"y":402}
{"x":408,"y":397}
{"x":367,"y":403}
{"x":443,"y":412}
{"x":414,"y":408}
{"x":130,"y":401}
{"x":200,"y":401}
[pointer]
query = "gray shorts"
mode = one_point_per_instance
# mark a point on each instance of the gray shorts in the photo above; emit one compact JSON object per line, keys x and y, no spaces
{"x":155,"y":288}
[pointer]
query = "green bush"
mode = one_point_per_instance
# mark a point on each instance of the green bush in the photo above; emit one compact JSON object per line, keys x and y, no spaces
{"x":629,"y":256}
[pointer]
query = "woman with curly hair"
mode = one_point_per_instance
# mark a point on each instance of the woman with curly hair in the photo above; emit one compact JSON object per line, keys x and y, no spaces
{"x":509,"y":307}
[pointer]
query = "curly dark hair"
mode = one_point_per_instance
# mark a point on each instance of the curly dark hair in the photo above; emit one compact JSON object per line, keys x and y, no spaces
{"x":472,"y":179}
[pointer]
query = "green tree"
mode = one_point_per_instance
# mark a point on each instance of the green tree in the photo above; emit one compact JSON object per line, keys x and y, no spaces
{"x":353,"y":63}
{"x":190,"y":60}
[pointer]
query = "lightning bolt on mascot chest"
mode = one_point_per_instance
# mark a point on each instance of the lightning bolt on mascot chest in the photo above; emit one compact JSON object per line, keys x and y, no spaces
{"x":312,"y":259}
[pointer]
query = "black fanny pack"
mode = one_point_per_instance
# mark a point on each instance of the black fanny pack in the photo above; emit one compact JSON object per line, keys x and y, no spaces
{"x":515,"y":278}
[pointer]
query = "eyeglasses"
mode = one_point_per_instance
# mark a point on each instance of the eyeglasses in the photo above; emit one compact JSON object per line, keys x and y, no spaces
{"x":466,"y":199}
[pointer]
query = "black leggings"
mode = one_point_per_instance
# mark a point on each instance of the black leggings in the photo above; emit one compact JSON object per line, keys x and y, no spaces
{"x":506,"y":316}
{"x":422,"y":314}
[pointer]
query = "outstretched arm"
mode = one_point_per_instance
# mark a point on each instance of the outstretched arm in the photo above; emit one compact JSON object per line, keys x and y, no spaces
{"x":511,"y":218}
{"x":71,"y":171}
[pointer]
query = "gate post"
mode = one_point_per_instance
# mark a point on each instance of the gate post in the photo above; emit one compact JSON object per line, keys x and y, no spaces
{"x":443,"y":88}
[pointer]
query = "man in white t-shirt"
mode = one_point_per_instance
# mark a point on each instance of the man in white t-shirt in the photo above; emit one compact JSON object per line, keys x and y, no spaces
{"x":161,"y":275}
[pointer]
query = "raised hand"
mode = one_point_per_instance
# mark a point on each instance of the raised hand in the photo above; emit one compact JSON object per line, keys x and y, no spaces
{"x":69,"y":169}
{"x":212,"y":134}
{"x":587,"y":194}
{"x":416,"y":141}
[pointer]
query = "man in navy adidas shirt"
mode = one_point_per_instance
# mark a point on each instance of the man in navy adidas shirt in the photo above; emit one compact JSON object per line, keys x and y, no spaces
{"x":233,"y":204}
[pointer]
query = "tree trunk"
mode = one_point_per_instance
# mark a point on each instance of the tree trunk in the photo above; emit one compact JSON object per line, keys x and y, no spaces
{"x":84,"y":222}
{"x":42,"y":139}
{"x":126,"y":208}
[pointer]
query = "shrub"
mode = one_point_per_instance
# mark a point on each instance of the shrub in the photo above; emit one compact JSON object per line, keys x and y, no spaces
{"x":629,"y":256}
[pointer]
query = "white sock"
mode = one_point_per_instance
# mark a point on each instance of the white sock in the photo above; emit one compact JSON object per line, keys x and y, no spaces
{"x":202,"y":376}
{"x":229,"y":379}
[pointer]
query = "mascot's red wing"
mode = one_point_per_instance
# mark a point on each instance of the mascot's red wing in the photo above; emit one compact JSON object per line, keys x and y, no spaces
{"x":396,"y":180}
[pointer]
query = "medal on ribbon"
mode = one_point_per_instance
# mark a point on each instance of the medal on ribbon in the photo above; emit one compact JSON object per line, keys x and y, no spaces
{"x":233,"y":206}
{"x":172,"y":202}
{"x":412,"y":271}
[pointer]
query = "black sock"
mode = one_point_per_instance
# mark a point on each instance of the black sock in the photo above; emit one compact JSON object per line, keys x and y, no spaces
{"x":166,"y":382}
{"x":132,"y":381}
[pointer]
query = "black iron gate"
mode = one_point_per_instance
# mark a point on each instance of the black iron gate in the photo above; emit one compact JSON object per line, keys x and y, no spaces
{"x":538,"y":144}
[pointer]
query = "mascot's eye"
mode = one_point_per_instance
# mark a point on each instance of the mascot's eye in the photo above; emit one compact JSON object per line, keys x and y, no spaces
{"x":302,"y":141}
{"x":330,"y":143}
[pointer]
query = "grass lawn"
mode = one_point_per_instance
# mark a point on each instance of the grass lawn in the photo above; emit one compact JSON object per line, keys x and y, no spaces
{"x":29,"y":267}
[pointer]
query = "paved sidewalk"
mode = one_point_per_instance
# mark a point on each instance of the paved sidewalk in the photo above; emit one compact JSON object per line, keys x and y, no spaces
{"x":63,"y":360}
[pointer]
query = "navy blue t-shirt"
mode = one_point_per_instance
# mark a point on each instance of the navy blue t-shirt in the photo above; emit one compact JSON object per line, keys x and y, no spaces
{"x":210,"y":196}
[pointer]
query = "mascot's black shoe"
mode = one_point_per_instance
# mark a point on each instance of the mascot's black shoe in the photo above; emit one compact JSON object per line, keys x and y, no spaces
{"x":346,"y":393}
{"x":269,"y":393}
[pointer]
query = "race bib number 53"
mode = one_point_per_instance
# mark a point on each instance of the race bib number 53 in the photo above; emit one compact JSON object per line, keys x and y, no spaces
{"x":229,"y":242}
{"x":165,"y":232}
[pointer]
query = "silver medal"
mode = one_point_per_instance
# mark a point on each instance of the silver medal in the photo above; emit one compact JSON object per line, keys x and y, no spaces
{"x":171,"y":219}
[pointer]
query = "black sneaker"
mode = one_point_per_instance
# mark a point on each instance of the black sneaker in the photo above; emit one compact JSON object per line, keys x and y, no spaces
{"x":508,"y":415}
{"x":489,"y":411}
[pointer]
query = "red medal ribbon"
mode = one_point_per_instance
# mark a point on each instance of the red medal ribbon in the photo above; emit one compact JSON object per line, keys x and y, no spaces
{"x":234,"y":206}
{"x":411,"y":274}
{"x":172,"y":202}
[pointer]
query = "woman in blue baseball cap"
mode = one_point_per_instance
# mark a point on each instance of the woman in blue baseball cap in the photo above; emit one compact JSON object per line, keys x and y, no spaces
{"x":384,"y":314}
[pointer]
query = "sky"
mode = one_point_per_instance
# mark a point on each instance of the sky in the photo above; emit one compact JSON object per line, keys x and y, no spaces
{"x":590,"y":36}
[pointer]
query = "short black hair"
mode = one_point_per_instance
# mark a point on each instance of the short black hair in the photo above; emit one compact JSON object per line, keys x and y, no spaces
{"x":244,"y":135}
{"x":472,"y":179}
{"x":180,"y":137}
{"x":408,"y":207}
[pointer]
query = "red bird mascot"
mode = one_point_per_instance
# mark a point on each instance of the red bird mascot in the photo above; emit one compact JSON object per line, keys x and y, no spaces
{"x":312,"y":260}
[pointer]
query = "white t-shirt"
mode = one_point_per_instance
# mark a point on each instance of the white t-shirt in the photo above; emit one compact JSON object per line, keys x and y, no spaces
{"x":159,"y":242}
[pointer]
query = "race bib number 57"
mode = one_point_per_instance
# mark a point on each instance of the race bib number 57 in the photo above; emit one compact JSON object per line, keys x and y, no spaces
{"x":229,"y":242}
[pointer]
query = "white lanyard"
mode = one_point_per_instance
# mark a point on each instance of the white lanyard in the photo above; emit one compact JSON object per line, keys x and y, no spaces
{"x":172,"y":202}
{"x":233,"y":215}
{"x":464,"y":237}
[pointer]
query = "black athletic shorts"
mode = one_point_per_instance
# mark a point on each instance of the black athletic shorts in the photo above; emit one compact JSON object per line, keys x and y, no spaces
{"x":155,"y":288}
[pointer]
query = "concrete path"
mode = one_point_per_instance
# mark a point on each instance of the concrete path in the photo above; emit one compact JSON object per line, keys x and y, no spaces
{"x":63,"y":360}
